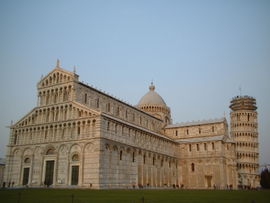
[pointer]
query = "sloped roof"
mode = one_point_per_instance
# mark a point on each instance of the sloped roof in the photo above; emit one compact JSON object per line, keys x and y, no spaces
{"x":137,"y":127}
{"x":2,"y":161}
{"x":202,"y":122}
{"x":206,"y":139}
{"x":201,"y":139}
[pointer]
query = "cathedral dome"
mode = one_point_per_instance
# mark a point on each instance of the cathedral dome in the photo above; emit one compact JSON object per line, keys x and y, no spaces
{"x":151,"y":98}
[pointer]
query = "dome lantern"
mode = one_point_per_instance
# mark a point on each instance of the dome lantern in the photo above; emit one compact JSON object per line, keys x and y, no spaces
{"x":152,"y":87}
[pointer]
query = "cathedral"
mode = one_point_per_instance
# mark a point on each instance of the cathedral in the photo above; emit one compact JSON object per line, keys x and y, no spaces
{"x":78,"y":136}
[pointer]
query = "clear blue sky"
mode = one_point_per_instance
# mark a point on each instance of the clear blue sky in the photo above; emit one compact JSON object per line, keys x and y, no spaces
{"x":197,"y":53}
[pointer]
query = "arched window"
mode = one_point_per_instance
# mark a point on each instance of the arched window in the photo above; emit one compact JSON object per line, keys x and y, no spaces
{"x":176,"y":133}
{"x":97,"y":102}
{"x":198,"y":147}
{"x":133,"y":156}
{"x":190,"y":147}
{"x":15,"y":139}
{"x":27,"y":160}
{"x":213,"y":129}
{"x":78,"y":130}
{"x":109,"y":107}
{"x":192,"y":167}
{"x":108,"y":126}
{"x":144,"y":159}
{"x":117,"y":111}
{"x":50,"y":151}
{"x":115,"y":128}
{"x":213,"y":145}
{"x":85,"y":98}
{"x":121,"y":153}
{"x":75,"y":157}
{"x":123,"y":130}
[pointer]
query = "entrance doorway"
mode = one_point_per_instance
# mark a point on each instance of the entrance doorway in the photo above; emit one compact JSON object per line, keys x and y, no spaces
{"x":26,"y":176}
{"x":208,"y":181}
{"x":74,"y":175}
{"x":49,"y":173}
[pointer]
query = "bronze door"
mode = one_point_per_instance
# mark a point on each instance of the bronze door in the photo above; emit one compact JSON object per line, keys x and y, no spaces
{"x":49,"y":173}
{"x":26,"y":176}
{"x":74,"y":175}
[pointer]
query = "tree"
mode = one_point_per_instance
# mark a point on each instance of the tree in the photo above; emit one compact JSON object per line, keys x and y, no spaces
{"x":265,"y":179}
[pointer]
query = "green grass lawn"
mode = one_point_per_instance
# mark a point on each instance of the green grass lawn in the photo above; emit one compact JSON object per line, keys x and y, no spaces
{"x":131,"y":196}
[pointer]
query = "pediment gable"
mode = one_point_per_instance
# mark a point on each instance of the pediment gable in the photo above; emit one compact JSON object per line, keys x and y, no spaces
{"x":33,"y":117}
{"x":57,"y":76}
{"x":85,"y":110}
{"x":26,"y":120}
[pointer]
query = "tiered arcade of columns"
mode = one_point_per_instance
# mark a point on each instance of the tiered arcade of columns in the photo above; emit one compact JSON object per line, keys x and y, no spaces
{"x":244,"y":130}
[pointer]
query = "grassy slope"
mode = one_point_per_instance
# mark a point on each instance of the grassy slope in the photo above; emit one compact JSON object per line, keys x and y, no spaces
{"x":132,"y":196}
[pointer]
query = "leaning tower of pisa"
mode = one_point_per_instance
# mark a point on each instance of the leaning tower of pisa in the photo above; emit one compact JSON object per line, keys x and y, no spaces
{"x":244,"y":130}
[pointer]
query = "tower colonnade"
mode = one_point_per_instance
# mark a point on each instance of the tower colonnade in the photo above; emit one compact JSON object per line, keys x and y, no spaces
{"x":244,"y":130}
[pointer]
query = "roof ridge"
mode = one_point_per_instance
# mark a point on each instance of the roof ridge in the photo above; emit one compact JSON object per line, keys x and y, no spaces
{"x":198,"y":122}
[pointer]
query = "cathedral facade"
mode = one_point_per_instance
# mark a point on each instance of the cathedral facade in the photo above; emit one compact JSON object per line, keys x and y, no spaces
{"x":79,"y":136}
